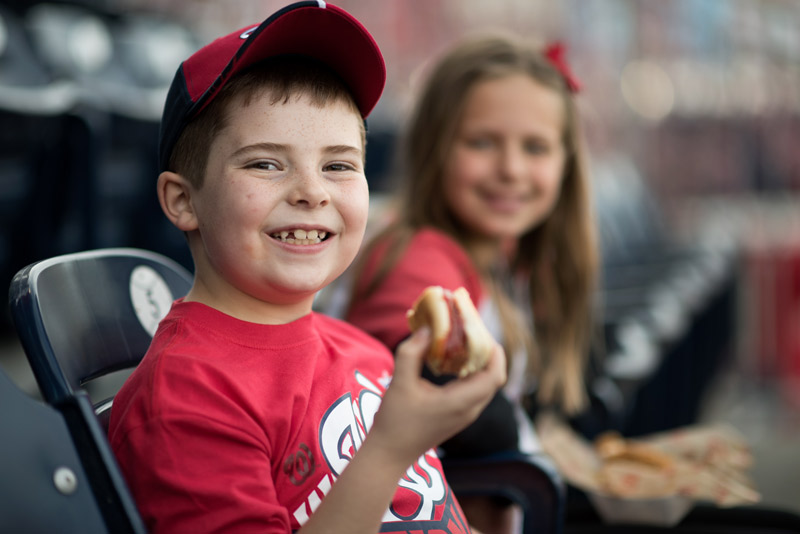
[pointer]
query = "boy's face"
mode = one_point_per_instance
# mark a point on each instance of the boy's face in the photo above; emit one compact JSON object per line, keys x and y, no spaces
{"x":283,"y":208}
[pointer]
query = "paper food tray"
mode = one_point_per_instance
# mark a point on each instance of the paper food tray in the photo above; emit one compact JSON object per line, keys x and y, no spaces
{"x":664,"y":511}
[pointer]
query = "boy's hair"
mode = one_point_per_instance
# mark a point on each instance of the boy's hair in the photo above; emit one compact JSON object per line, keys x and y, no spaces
{"x":282,"y":79}
{"x":560,"y":255}
{"x":315,"y":30}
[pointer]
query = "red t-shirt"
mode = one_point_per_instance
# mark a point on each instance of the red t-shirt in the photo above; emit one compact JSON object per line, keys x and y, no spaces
{"x":229,"y":426}
{"x":432,"y":258}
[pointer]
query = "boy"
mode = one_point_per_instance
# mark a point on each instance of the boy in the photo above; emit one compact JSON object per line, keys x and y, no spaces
{"x":248,"y":407}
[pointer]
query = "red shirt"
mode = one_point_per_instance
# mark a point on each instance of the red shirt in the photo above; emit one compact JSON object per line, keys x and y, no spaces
{"x":229,"y":426}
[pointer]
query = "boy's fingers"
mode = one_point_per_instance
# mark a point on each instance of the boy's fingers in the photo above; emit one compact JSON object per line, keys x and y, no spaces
{"x":489,"y":379}
{"x":410,"y":355}
{"x":410,"y":352}
{"x":497,"y":363}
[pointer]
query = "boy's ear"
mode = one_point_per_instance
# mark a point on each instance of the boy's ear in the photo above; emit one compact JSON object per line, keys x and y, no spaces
{"x":175,"y":196}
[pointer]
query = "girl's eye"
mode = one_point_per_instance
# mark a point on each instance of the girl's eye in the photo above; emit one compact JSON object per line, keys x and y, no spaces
{"x":536,"y":147}
{"x":479,"y":143}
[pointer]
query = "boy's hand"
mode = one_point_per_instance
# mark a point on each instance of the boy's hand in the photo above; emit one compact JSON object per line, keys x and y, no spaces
{"x":416,"y":414}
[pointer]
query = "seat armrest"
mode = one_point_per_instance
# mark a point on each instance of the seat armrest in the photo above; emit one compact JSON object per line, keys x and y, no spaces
{"x":529,"y":480}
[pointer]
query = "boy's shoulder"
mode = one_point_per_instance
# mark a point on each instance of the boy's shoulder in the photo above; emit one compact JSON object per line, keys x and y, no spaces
{"x":190,"y":322}
{"x":344,"y":334}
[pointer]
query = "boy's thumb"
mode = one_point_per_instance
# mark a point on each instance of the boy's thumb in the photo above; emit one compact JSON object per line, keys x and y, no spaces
{"x":410,"y":352}
{"x":421,"y":335}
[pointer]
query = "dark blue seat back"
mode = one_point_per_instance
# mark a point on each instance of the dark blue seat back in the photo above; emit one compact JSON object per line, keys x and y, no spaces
{"x":56,"y":475}
{"x":84,"y":315}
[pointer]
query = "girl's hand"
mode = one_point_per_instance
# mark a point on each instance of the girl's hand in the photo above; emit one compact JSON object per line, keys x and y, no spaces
{"x":416,"y":415}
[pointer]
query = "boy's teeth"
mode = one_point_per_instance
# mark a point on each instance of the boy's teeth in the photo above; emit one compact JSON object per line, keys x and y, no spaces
{"x":300,"y":236}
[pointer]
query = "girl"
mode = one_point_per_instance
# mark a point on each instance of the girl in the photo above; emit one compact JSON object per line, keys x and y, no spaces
{"x":496,"y":200}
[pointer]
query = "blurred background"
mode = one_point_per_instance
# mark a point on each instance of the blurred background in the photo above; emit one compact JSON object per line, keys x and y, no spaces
{"x":691,"y":111}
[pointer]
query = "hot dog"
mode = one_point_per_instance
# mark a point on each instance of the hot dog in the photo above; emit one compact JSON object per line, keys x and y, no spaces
{"x":611,"y":446}
{"x":460,"y":343}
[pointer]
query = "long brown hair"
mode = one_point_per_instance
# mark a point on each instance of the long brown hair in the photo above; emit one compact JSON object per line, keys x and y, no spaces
{"x":559,"y":256}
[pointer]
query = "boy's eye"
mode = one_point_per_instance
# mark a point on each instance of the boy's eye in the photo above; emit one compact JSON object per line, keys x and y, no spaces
{"x":339,"y":167}
{"x":263,"y":165}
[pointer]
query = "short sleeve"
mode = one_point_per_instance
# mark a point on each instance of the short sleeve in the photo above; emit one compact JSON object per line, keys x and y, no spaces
{"x":204,"y":473}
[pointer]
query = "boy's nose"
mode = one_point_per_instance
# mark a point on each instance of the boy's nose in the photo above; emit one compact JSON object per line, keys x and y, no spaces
{"x":309,"y":190}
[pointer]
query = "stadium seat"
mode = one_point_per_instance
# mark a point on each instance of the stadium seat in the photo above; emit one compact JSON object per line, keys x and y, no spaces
{"x":59,"y":474}
{"x":86,"y":315}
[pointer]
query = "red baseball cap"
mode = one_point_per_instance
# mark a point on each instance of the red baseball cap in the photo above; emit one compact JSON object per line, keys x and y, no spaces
{"x":312,"y":28}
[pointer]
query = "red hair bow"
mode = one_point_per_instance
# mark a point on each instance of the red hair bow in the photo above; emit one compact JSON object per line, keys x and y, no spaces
{"x":555,"y":54}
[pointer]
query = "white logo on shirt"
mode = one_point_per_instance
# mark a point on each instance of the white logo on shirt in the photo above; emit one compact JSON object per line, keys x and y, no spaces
{"x":342,"y":431}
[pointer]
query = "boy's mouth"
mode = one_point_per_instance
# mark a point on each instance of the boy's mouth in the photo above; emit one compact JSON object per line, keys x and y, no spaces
{"x":300,"y":236}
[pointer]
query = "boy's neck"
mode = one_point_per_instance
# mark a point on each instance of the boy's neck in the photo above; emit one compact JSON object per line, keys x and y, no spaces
{"x":247,"y":308}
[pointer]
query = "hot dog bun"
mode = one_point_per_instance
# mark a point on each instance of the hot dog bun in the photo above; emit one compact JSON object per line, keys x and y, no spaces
{"x":611,"y":446}
{"x":460,"y":342}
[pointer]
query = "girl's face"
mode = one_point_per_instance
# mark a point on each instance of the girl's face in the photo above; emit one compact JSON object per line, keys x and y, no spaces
{"x":503,"y":174}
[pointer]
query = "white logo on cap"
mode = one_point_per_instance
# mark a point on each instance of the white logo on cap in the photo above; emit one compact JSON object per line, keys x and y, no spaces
{"x":246,"y":34}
